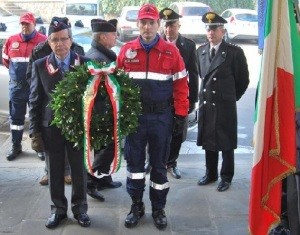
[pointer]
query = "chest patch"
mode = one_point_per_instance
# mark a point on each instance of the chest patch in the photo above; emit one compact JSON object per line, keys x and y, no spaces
{"x":15,"y":45}
{"x":130,"y":53}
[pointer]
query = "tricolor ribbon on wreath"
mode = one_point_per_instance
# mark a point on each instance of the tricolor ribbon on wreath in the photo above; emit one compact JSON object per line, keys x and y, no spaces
{"x":101,"y":75}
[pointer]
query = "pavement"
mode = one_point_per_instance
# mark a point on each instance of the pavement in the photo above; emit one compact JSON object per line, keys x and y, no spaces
{"x":190,"y":209}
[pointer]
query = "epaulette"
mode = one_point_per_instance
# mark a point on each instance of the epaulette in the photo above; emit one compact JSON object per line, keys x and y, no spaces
{"x":77,"y":48}
{"x":233,"y":45}
{"x":191,"y":40}
{"x":203,"y":44}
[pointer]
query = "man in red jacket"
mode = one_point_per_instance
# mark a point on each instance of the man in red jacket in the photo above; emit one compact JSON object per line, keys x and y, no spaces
{"x":158,"y":69}
{"x":16,"y":52}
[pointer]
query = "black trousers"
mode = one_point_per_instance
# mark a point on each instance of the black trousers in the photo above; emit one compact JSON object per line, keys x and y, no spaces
{"x":102,"y":161}
{"x":227,"y":169}
{"x":293,"y":203}
{"x":175,"y":146}
{"x":56,"y":148}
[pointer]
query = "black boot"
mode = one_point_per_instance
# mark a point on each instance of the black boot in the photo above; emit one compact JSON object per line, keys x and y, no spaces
{"x":159,"y":218}
{"x":136,"y":212}
{"x":14,"y":152}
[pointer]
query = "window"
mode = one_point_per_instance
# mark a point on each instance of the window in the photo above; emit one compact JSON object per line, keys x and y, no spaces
{"x":194,"y":11}
{"x":132,"y":15}
{"x":246,"y":17}
{"x":81,"y":9}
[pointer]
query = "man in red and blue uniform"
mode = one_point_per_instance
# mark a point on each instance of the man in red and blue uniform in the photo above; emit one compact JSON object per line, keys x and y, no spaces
{"x":158,"y":69}
{"x":16,"y":52}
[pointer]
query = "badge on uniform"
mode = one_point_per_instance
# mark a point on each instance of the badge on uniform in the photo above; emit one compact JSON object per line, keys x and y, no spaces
{"x":15,"y":45}
{"x":130,"y":54}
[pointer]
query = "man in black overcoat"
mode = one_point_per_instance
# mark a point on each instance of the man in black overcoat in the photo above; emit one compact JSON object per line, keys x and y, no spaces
{"x":224,"y":77}
{"x":187,"y":49}
{"x":46,"y":73}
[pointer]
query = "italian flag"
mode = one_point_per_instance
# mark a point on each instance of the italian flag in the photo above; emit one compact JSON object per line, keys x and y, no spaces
{"x":274,"y":129}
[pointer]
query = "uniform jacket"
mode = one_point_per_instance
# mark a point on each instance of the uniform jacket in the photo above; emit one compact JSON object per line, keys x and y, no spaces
{"x":187,"y":49}
{"x":45,"y":76}
{"x":43,"y":49}
{"x":160,"y":74}
{"x":16,"y":53}
{"x":224,"y":81}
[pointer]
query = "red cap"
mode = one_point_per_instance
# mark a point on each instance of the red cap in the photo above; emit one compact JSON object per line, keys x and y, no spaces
{"x":27,"y":18}
{"x":148,"y":11}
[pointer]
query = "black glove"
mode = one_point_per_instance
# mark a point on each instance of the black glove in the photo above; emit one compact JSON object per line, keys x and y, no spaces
{"x":179,"y":123}
{"x":37,"y":143}
{"x":192,"y":107}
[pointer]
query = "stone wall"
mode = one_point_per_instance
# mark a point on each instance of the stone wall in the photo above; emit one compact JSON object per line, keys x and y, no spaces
{"x":46,"y":9}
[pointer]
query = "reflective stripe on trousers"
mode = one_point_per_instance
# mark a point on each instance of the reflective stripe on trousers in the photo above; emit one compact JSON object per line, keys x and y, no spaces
{"x":16,"y":127}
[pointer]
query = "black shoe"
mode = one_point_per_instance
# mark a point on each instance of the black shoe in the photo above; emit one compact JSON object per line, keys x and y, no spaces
{"x":94,"y":193}
{"x":206,"y":180}
{"x":54,"y":220}
{"x":160,"y":219}
{"x":280,"y":230}
{"x":223,"y":186}
{"x":41,"y":156}
{"x":174,"y":171}
{"x":135,"y":214}
{"x":83,"y":219}
{"x":111,"y":184}
{"x":14,"y":152}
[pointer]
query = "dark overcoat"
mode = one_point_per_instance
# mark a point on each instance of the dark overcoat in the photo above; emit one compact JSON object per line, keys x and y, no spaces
{"x":187,"y":49}
{"x":223,"y":82}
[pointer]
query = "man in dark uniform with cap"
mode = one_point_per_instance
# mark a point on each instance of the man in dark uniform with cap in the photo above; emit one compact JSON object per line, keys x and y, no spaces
{"x":187,"y":49}
{"x":104,"y":38}
{"x":225,"y":77}
{"x":46,"y":73}
{"x":41,"y":50}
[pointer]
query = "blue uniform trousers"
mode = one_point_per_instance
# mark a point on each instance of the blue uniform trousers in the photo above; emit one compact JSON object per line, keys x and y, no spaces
{"x":18,"y":100}
{"x":155,"y":129}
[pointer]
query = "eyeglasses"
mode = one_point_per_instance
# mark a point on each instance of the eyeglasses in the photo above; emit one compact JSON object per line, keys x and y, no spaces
{"x":57,"y":40}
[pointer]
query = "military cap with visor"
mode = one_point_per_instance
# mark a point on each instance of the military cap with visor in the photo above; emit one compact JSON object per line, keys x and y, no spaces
{"x":212,"y":20}
{"x":169,"y":15}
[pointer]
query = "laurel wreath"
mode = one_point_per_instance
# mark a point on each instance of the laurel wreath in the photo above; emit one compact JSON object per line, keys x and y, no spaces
{"x":67,"y":105}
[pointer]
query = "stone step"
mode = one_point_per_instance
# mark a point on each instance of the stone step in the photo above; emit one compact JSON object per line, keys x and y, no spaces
{"x":12,"y":9}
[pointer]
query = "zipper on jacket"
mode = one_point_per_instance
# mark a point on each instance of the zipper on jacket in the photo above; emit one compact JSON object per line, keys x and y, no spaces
{"x":147,"y":64}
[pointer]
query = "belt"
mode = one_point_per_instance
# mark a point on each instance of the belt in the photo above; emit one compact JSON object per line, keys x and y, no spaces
{"x":155,"y":107}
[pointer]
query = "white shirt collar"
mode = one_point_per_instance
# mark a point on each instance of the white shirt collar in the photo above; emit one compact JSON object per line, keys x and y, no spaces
{"x":216,"y":46}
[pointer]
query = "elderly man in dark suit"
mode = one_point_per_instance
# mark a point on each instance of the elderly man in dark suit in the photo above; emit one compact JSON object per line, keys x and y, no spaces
{"x":41,"y":50}
{"x":46,"y":73}
{"x":225,"y":77}
{"x":187,"y":49}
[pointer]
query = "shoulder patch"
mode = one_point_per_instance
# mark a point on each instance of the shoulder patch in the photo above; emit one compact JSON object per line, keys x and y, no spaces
{"x":203,"y":44}
{"x":233,"y":45}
